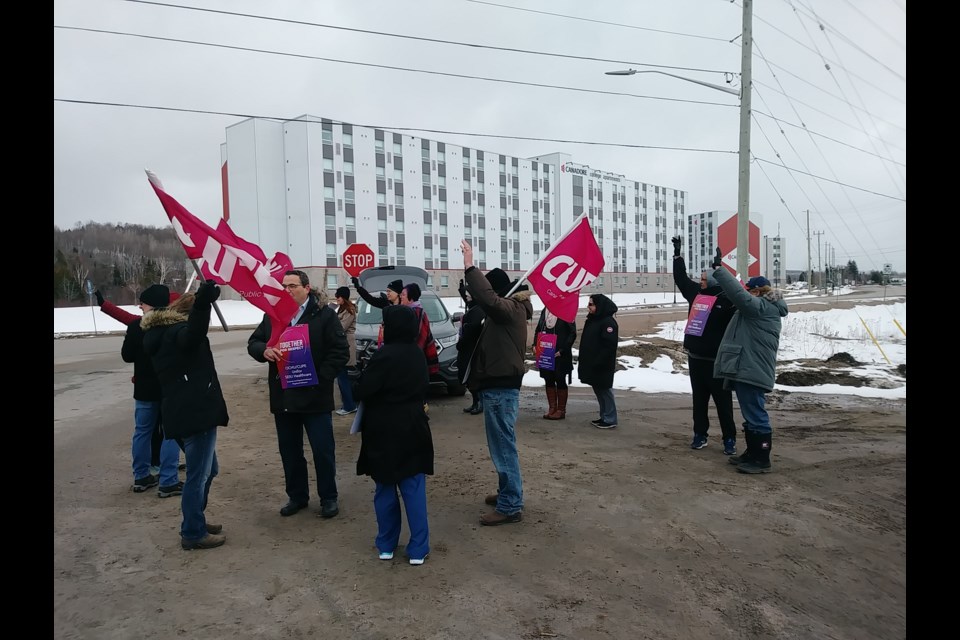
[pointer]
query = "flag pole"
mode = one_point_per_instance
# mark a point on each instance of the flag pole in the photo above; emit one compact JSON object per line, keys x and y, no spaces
{"x":537,"y":263}
{"x":200,"y":277}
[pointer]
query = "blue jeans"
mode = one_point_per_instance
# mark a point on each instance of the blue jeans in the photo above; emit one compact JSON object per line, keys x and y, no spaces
{"x":752,"y":401}
{"x":346,"y":391}
{"x":200,"y":451}
{"x":387,"y":506}
{"x":146,"y":415}
{"x":500,"y":408}
{"x":319,"y":428}
{"x":608,"y":404}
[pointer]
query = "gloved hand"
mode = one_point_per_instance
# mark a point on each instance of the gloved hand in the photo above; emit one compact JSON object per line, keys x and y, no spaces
{"x":462,"y":289}
{"x":356,"y":282}
{"x":99,"y":297}
{"x":207,"y":292}
{"x":717,"y":259}
{"x":676,"y":246}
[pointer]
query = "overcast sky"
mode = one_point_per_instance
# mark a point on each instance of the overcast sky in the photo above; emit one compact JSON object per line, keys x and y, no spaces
{"x":845,"y":125}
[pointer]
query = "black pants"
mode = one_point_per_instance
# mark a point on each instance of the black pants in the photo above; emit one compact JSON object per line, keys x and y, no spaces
{"x":319,"y":428}
{"x":705,"y":386}
{"x":554,"y":379}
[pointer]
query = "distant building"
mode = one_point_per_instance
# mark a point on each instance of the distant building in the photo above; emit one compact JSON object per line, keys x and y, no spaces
{"x":310,"y":187}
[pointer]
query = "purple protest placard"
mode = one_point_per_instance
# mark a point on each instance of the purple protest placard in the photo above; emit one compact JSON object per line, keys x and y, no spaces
{"x":547,"y":348}
{"x":699,"y":312}
{"x":296,"y":367}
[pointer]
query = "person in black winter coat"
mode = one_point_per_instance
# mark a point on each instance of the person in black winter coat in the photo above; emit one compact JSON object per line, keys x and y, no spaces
{"x":597,"y":360}
{"x":471,"y":324}
{"x":397,"y":447}
{"x":710,"y":312}
{"x":305,"y":404}
{"x":556,"y":378}
{"x":193,"y":405}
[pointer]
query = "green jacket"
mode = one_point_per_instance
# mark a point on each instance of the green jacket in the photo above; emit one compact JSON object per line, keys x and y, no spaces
{"x":748,"y":351}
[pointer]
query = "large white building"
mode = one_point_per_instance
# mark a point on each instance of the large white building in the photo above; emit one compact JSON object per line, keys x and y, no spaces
{"x":311,"y":187}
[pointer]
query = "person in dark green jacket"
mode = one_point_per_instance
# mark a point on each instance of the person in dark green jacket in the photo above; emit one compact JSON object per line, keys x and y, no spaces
{"x":747,"y":360}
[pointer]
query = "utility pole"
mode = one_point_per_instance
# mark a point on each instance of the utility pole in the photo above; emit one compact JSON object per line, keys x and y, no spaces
{"x":819,"y":260}
{"x":746,"y":77}
{"x":809,"y":263}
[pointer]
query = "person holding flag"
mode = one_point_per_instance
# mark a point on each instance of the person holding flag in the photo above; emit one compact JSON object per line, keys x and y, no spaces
{"x":495,"y":373}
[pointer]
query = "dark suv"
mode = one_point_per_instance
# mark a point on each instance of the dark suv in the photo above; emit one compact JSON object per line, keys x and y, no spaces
{"x":444,"y":330}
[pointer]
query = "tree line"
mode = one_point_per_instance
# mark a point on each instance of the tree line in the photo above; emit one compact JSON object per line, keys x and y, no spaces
{"x":119,"y":259}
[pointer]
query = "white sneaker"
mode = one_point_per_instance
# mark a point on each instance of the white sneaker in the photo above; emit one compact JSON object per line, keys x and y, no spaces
{"x":386,"y":555}
{"x":417,"y":561}
{"x":344,"y":412}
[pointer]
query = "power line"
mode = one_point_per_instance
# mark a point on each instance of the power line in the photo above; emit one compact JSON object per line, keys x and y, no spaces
{"x":614,"y":24}
{"x":879,"y":28}
{"x":825,"y":137}
{"x":394,"y":68}
{"x":412,"y":70}
{"x":823,"y":25}
{"x":472,"y":45}
{"x":837,"y":182}
{"x":441,"y":131}
{"x":390,"y":128}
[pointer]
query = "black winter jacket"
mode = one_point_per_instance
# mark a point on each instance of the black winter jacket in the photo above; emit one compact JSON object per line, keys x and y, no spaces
{"x":146,"y":384}
{"x":328,"y":349}
{"x":597,"y":359}
{"x":470,"y":326}
{"x":179,"y":349}
{"x":395,"y":431}
{"x":566,"y":337}
{"x":704,"y":346}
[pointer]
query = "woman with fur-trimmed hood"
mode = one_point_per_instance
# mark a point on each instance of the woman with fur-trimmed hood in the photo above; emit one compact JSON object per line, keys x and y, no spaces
{"x":193,"y":405}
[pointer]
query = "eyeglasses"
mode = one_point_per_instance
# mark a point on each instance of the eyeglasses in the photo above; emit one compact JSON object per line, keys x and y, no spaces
{"x":292,"y":285}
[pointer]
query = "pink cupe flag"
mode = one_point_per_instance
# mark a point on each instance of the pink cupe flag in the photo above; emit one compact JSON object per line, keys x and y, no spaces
{"x":573,"y":262}
{"x":231,"y":260}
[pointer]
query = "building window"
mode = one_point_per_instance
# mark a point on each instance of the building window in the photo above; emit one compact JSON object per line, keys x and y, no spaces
{"x":398,"y":175}
{"x":348,"y":195}
{"x":347,"y":167}
{"x":444,"y":281}
{"x":380,"y":172}
{"x":331,"y":249}
{"x":332,"y":281}
{"x":328,"y":164}
{"x":381,"y":225}
{"x":348,"y":139}
{"x":397,"y":149}
{"x":381,"y":198}
{"x":328,"y":193}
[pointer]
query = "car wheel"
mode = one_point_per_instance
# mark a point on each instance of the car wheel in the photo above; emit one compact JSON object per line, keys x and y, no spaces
{"x":456,"y":389}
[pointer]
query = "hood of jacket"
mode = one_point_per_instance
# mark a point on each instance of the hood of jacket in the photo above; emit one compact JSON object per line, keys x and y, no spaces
{"x":162,"y":318}
{"x":400,"y":325}
{"x":776,"y":297}
{"x":523,"y":294}
{"x":603,"y":306}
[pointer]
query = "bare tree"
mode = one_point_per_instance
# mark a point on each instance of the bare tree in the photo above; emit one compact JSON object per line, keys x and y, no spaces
{"x":164,"y":267}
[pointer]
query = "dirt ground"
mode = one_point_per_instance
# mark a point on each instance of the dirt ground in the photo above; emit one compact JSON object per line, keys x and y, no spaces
{"x":627,"y":533}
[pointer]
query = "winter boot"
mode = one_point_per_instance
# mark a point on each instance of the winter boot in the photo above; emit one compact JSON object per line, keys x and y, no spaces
{"x":561,"y":411}
{"x":760,"y":459}
{"x":747,"y":455}
{"x":552,"y":400}
{"x":472,"y":408}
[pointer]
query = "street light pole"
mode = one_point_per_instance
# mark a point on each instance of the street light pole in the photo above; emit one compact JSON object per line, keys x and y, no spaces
{"x":743,"y":179}
{"x":776,"y":272}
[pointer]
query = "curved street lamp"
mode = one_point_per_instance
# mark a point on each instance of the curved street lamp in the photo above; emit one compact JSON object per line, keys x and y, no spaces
{"x":776,"y":272}
{"x":743,"y":182}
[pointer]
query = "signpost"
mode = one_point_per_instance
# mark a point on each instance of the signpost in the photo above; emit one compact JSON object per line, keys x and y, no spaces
{"x":356,"y":258}
{"x":89,"y":287}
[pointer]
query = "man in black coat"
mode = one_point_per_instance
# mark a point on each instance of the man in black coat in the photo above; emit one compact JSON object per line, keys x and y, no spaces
{"x":301,"y":392}
{"x":702,"y":336}
{"x":471,"y":324}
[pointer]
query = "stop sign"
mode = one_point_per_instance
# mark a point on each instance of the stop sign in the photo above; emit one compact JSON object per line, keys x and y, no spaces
{"x":356,"y":258}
